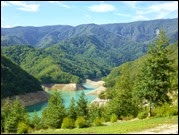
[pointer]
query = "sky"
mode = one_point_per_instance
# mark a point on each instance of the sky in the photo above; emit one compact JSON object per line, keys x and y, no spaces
{"x":42,"y":13}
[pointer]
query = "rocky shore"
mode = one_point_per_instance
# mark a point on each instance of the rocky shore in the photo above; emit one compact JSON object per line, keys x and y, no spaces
{"x":66,"y":87}
{"x":30,"y":98}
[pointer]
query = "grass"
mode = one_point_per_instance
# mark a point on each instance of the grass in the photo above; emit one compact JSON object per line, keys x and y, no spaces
{"x":116,"y":128}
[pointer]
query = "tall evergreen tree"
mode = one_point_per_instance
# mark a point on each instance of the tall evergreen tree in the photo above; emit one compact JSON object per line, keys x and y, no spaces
{"x":12,"y":115}
{"x":154,"y":79}
{"x":82,"y":109}
{"x":122,"y":102}
{"x":72,"y":109}
{"x":54,"y":113}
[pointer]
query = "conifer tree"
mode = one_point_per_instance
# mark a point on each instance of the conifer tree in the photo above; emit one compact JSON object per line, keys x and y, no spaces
{"x":55,"y":111}
{"x":82,"y":109}
{"x":154,"y":79}
{"x":72,"y":110}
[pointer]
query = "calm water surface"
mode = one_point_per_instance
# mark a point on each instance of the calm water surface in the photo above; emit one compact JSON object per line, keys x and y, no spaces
{"x":66,"y":95}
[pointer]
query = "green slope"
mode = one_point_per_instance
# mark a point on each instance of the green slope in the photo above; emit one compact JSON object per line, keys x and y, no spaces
{"x":39,"y":64}
{"x":15,"y":81}
{"x":133,"y":68}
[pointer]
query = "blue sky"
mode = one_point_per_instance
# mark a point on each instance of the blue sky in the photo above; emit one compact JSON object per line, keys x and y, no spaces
{"x":41,"y":13}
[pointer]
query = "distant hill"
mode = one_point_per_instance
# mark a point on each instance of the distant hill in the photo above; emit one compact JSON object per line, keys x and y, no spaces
{"x":42,"y":37}
{"x":15,"y":81}
{"x":64,"y":54}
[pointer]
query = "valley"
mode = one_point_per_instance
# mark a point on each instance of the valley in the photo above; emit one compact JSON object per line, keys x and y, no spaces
{"x":95,"y":73}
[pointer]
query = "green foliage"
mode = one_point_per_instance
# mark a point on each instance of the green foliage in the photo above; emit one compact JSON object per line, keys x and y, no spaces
{"x":53,"y":114}
{"x":82,"y":108}
{"x":142,"y":115}
{"x":80,"y":122}
{"x":113,"y":118}
{"x":97,"y":121}
{"x":154,"y":80}
{"x":68,"y":123}
{"x":36,"y":122}
{"x":72,"y":110}
{"x":15,"y":81}
{"x":122,"y":102}
{"x":165,"y":110}
{"x":22,"y":128}
{"x":13,"y":114}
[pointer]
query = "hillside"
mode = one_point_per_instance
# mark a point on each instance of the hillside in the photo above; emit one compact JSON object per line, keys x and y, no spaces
{"x":63,"y":54}
{"x":15,"y":81}
{"x":133,"y":68}
{"x":42,"y":37}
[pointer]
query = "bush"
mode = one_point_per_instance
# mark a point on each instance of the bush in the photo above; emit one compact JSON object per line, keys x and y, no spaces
{"x":68,"y":123}
{"x":142,"y":115}
{"x":97,"y":121}
{"x":127,"y":117}
{"x":113,"y":118}
{"x":165,"y":110}
{"x":22,"y":128}
{"x":80,"y":122}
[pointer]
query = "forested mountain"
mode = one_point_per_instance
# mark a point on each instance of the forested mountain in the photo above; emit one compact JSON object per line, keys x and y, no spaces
{"x":134,"y":67}
{"x":15,"y":80}
{"x":42,"y":37}
{"x":63,"y":54}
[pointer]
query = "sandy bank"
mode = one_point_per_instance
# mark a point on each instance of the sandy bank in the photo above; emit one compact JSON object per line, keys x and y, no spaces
{"x":96,"y":84}
{"x":66,"y":87}
{"x":30,"y":98}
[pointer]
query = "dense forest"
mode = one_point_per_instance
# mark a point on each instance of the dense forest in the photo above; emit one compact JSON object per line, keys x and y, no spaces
{"x":15,"y":81}
{"x":146,"y":87}
{"x":63,"y":54}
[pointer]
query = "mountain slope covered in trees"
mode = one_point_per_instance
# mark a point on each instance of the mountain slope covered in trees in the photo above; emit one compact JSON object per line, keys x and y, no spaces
{"x":15,"y":80}
{"x":63,"y":54}
{"x":42,"y":37}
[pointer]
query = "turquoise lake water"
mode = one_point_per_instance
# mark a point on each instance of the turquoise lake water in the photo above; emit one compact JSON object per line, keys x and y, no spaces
{"x":66,"y":95}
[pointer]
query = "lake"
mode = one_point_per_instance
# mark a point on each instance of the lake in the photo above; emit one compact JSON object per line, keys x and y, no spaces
{"x":66,"y":95}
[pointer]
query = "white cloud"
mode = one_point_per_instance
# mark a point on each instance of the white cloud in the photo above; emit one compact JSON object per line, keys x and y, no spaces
{"x":4,"y":4}
{"x":60,"y":3}
{"x":131,"y":4}
{"x":159,"y":10}
{"x":6,"y":26}
{"x":25,"y":6}
{"x":102,"y":8}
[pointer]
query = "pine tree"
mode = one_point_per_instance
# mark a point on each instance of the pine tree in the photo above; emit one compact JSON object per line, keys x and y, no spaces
{"x":82,"y":109}
{"x":72,"y":110}
{"x":12,"y":115}
{"x":54,"y":113}
{"x":122,"y":103}
{"x":154,"y":79}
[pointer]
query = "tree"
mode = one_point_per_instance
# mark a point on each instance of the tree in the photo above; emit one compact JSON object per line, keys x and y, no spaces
{"x":36,"y":121}
{"x":12,"y":115}
{"x":54,"y":113}
{"x":72,"y":110}
{"x":82,"y":109}
{"x":154,"y":78}
{"x":122,"y":102}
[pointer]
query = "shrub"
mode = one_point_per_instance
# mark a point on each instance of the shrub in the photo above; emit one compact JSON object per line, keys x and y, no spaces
{"x":113,"y":118}
{"x":142,"y":115}
{"x":97,"y":121}
{"x":22,"y":128}
{"x":165,"y":110}
{"x":80,"y":122}
{"x":68,"y":123}
{"x":127,"y":117}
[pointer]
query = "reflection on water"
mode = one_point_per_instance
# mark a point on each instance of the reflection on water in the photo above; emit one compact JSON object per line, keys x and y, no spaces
{"x":66,"y":95}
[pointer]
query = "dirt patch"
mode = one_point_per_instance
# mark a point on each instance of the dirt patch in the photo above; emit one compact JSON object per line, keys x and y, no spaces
{"x":30,"y":98}
{"x":66,"y":87}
